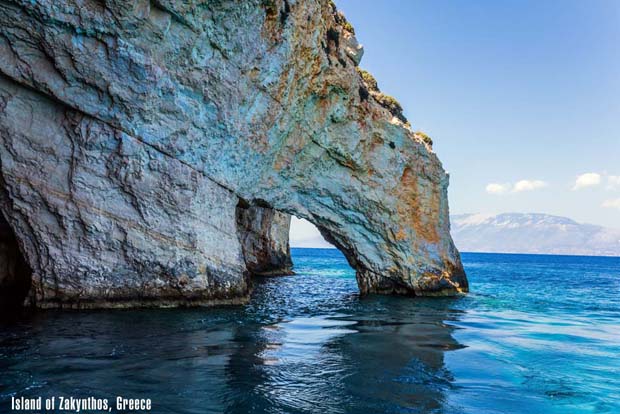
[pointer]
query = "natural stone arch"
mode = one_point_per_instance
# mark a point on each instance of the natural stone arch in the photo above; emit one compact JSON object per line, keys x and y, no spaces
{"x":384,"y":274}
{"x":130,"y":132}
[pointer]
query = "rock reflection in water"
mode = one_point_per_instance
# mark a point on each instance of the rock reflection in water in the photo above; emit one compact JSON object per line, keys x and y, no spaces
{"x":306,"y":343}
{"x":374,"y":354}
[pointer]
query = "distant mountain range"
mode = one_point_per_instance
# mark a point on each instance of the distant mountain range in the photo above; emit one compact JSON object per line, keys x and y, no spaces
{"x":505,"y":233}
{"x":532,"y":233}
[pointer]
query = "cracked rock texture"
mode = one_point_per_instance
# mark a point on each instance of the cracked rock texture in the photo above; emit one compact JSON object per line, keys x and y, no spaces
{"x":263,"y":233}
{"x":130,"y":132}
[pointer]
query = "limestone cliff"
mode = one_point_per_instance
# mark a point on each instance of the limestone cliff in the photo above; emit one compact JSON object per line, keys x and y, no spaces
{"x":130,"y":132}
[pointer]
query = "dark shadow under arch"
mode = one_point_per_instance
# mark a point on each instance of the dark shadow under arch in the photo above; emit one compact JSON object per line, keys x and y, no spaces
{"x":15,"y":274}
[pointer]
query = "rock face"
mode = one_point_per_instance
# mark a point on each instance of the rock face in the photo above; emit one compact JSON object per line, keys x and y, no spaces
{"x":130,"y":132}
{"x":263,"y":233}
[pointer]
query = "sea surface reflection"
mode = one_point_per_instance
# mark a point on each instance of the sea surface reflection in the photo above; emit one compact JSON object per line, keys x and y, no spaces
{"x":307,"y":343}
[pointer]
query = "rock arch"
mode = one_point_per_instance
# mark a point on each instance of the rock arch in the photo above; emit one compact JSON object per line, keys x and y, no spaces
{"x":130,"y":132}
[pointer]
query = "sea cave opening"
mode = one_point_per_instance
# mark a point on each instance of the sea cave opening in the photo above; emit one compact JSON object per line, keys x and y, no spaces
{"x":276,"y":243}
{"x":313,"y":254}
{"x":15,"y":274}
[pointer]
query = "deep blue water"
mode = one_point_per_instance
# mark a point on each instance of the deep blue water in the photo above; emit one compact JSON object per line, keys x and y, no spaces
{"x":538,"y":334}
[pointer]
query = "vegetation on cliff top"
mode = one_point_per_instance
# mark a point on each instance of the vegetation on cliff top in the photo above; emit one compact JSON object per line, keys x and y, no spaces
{"x":387,"y":101}
{"x":369,"y":80}
{"x":341,"y":19}
{"x":424,"y":137}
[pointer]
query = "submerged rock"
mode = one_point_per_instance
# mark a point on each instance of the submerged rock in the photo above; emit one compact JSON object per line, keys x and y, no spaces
{"x":131,"y":131}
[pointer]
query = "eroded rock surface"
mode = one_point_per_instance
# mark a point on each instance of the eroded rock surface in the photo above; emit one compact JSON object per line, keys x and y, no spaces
{"x":263,"y":233}
{"x":131,"y":131}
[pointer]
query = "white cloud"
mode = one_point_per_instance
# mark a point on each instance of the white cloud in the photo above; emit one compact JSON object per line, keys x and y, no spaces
{"x":528,"y":185}
{"x":613,"y":182}
{"x":612,"y":203}
{"x":495,"y":188}
{"x":519,"y":186}
{"x":587,"y":180}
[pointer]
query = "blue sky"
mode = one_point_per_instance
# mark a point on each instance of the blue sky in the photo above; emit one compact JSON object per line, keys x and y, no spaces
{"x":520,"y":97}
{"x":509,"y":91}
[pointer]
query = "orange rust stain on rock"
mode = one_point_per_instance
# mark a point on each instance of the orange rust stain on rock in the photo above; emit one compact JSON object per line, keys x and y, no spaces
{"x":278,"y":164}
{"x":272,"y":29}
{"x":415,"y":211}
{"x":349,"y":164}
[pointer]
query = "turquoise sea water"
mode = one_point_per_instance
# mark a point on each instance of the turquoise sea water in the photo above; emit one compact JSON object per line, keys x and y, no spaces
{"x":538,"y":334}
